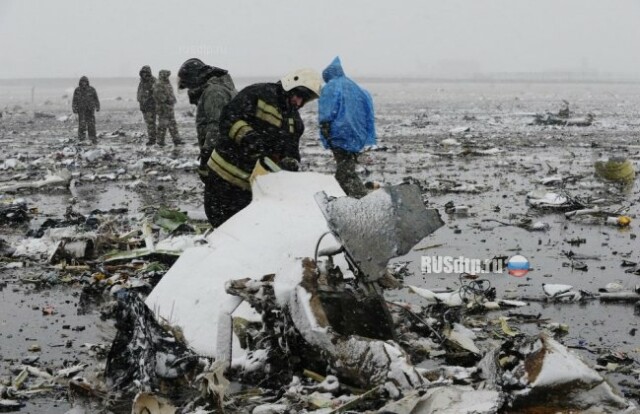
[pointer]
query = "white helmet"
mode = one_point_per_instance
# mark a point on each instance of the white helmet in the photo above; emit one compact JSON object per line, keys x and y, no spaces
{"x":307,"y":78}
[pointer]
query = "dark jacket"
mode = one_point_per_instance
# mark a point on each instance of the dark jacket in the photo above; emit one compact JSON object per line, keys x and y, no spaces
{"x":217,"y":93}
{"x":145,"y":91}
{"x":259,"y":122}
{"x":85,"y":97}
{"x":163,"y":93}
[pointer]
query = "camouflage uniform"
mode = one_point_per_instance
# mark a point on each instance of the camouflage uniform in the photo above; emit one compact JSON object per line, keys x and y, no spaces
{"x":165,"y":101}
{"x":85,"y":103}
{"x":147,"y":103}
{"x":346,"y":174}
{"x":217,"y":92}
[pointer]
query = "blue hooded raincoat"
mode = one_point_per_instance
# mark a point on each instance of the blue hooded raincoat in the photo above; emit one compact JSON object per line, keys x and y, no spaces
{"x":349,"y":109}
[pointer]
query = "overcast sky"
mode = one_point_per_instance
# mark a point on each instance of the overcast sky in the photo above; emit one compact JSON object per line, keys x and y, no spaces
{"x":69,"y":38}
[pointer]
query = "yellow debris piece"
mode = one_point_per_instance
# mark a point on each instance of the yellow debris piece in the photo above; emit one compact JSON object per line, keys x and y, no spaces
{"x":616,"y":169}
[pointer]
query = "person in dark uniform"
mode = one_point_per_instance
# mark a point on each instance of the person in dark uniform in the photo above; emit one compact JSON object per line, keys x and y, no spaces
{"x":261,"y":123}
{"x":210,"y":88}
{"x":85,"y":103}
{"x":147,"y":102}
{"x":165,"y":101}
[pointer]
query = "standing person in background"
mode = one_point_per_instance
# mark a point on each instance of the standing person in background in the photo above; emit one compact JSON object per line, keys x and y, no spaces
{"x":210,"y":88}
{"x":147,"y":103}
{"x":347,"y":125}
{"x":165,"y":101}
{"x":85,"y":103}
{"x":261,"y":122}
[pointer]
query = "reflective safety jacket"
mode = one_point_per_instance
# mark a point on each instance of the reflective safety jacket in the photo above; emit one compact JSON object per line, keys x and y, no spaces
{"x":259,"y":122}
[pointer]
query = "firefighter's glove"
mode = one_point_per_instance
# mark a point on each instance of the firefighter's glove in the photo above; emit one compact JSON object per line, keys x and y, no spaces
{"x":290,"y":164}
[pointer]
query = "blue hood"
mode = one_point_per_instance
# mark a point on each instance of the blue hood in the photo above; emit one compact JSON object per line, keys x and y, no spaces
{"x":334,"y":70}
{"x":348,"y":109}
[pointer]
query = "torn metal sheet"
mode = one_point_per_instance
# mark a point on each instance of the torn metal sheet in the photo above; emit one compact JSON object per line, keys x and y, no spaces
{"x":447,"y":399}
{"x":14,"y":212}
{"x":58,"y":244}
{"x":57,"y":179}
{"x":395,"y":217}
{"x":282,"y":222}
{"x":540,"y":372}
{"x":144,"y":356}
{"x":358,"y":359}
{"x":148,"y":403}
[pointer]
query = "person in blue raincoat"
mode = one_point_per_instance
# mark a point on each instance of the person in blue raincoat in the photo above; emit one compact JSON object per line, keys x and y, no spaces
{"x":346,"y":118}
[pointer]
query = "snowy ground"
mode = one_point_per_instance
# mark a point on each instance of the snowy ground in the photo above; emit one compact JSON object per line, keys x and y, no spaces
{"x":414,"y":123}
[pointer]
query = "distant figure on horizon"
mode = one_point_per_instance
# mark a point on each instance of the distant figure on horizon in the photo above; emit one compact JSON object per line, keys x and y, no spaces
{"x":347,"y":125}
{"x":165,"y":101}
{"x":210,"y":88}
{"x":85,"y":103}
{"x":147,"y":102}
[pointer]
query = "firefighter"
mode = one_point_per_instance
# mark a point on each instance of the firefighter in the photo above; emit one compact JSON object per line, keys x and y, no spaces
{"x":262,"y":122}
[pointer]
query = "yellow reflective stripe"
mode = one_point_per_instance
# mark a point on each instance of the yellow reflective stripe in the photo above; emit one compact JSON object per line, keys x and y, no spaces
{"x":268,"y":118}
{"x":268,"y":113}
{"x":291,"y":126}
{"x":238,"y":130}
{"x":229,"y":172}
{"x":270,"y":109}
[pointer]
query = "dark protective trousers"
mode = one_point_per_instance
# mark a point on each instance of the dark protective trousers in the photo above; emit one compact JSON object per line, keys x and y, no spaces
{"x":346,"y":174}
{"x":150,"y":120}
{"x":222,"y":199}
{"x":86,"y":120}
{"x":167,"y":120}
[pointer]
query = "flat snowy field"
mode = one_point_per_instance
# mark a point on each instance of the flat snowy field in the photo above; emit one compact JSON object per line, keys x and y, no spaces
{"x":465,"y":142}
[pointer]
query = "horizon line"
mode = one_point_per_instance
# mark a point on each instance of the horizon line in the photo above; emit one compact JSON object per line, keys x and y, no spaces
{"x":507,"y":77}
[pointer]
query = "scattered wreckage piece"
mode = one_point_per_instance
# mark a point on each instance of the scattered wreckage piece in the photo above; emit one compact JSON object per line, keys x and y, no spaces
{"x":15,"y":212}
{"x":442,"y":398}
{"x":538,"y":371}
{"x":394,"y":216}
{"x":354,"y":336}
{"x":349,"y":334}
{"x":616,"y":169}
{"x":148,"y":403}
{"x":525,"y":223}
{"x":61,"y":178}
{"x":282,"y":221}
{"x":468,"y":152}
{"x":563,"y":118}
{"x":144,"y":356}
{"x":356,"y":342}
{"x":58,"y":244}
{"x":547,"y":200}
{"x":622,"y":296}
{"x":8,"y":405}
{"x":613,"y":218}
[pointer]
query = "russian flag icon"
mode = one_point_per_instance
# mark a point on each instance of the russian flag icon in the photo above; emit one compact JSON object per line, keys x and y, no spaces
{"x":518,"y":266}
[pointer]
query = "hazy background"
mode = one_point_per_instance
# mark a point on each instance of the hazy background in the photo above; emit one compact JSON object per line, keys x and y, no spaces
{"x":412,"y":38}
